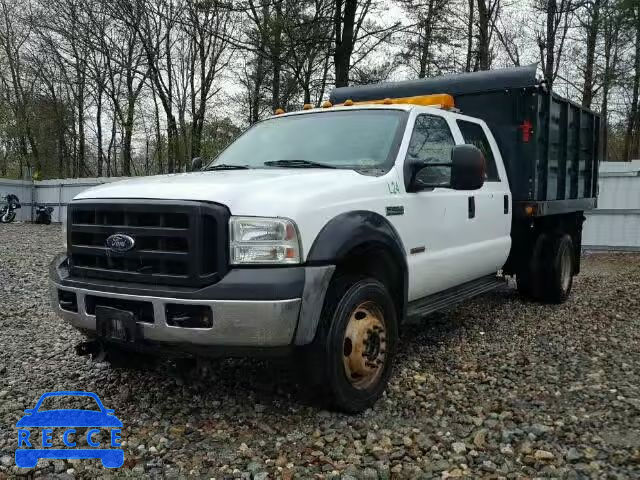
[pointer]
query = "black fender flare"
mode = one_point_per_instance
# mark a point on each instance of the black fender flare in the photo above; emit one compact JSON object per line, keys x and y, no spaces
{"x":350,"y":230}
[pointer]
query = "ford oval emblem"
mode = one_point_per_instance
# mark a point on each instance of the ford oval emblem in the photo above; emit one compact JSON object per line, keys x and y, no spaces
{"x":120,"y":243}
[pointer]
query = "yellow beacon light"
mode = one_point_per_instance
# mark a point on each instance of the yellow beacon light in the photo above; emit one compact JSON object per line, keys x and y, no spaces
{"x":437,"y":100}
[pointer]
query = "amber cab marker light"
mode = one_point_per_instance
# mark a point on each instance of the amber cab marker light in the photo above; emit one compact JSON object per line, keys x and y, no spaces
{"x":278,"y":111}
{"x":307,"y":106}
{"x":326,"y":104}
{"x":348,"y":102}
{"x":387,"y":101}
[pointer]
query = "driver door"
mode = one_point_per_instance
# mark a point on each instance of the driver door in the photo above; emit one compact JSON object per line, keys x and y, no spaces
{"x":435,"y":217}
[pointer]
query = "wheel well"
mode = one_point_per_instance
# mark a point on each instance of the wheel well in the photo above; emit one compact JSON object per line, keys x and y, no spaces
{"x":377,"y":261}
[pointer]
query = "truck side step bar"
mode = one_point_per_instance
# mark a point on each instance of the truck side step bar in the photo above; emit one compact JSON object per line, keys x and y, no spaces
{"x":441,"y":300}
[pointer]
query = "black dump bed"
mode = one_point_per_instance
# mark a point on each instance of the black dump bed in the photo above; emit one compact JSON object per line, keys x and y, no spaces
{"x":551,"y":146}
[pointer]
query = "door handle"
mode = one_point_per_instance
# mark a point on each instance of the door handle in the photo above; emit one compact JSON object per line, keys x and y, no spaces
{"x":472,"y":207}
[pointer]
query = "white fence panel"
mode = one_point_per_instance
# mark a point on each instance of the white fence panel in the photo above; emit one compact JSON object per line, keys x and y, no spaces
{"x":24,"y":190}
{"x":615,"y":224}
{"x":55,"y":193}
{"x":58,"y":193}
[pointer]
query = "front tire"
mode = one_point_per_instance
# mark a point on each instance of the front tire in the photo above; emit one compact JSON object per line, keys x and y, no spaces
{"x":8,"y":217}
{"x":355,"y":342}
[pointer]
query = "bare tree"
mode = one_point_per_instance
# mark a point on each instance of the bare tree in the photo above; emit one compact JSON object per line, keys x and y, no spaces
{"x":591,"y":26}
{"x":632,"y":134}
{"x":355,"y":35}
{"x":209,"y":28}
{"x":17,"y":92}
{"x":426,"y":33}
{"x":488,"y":11}
{"x":551,"y":40}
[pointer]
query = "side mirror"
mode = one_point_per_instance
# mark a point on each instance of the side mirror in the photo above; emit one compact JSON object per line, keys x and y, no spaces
{"x":468,"y":167}
{"x":196,"y":164}
{"x":465,"y":171}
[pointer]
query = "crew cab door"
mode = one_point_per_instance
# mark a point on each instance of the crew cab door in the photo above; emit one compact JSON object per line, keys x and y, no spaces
{"x":493,"y":200}
{"x":452,"y":236}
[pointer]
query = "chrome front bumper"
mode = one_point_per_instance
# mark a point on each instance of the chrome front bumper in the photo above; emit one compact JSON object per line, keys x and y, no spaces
{"x":236,"y":323}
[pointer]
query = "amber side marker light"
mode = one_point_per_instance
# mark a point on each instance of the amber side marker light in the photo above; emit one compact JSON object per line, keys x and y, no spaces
{"x":530,"y":210}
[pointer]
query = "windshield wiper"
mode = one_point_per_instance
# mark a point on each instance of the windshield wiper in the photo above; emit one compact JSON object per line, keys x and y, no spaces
{"x":224,"y":166}
{"x":297,"y":164}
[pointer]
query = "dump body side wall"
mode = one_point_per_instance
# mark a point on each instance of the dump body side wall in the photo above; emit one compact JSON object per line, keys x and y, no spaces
{"x":551,"y":146}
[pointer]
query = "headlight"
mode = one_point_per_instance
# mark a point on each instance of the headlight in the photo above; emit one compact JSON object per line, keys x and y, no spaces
{"x":257,"y":240}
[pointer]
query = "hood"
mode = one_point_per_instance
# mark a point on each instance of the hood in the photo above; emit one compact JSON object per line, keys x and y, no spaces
{"x":244,"y":192}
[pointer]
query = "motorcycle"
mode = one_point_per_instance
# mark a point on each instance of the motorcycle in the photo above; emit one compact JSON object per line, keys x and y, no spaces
{"x":8,"y":211}
{"x":43,"y":214}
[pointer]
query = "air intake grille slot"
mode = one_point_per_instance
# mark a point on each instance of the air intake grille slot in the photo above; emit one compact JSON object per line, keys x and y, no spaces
{"x":182,"y":243}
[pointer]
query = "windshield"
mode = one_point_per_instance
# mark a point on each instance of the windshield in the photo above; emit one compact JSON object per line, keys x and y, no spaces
{"x":356,"y":139}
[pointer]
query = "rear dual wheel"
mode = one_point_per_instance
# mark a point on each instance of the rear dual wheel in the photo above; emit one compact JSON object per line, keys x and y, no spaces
{"x":548,"y":276}
{"x":355,"y":343}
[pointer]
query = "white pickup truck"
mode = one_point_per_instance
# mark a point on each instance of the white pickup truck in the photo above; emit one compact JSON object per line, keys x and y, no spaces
{"x":321,"y":232}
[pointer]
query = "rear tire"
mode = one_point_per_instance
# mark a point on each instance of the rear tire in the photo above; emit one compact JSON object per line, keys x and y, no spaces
{"x":548,"y":276}
{"x":353,"y":352}
{"x":558,"y":272}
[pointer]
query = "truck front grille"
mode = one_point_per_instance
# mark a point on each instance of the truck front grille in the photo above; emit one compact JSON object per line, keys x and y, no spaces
{"x":175,"y":243}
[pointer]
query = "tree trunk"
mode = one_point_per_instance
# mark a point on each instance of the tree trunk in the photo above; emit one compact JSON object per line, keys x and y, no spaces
{"x":550,"y":43}
{"x":593,"y":27}
{"x":172,"y":143}
{"x":470,"y":37}
{"x":82,"y":167}
{"x":99,"y":128}
{"x":276,"y":54}
{"x":483,"y":34}
{"x":344,"y":25}
{"x":425,"y":51}
{"x":111,"y":153}
{"x":633,"y":120}
{"x":323,"y":83}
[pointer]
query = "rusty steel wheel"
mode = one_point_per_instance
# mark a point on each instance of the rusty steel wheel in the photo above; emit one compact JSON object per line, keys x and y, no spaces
{"x":352,"y":355}
{"x":365,"y":345}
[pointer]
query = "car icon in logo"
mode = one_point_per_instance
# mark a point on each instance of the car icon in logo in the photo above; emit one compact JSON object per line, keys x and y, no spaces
{"x":70,"y":419}
{"x":120,"y":243}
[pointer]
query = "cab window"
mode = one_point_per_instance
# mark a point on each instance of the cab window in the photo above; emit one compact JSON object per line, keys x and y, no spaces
{"x":431,"y":142}
{"x":473,"y":134}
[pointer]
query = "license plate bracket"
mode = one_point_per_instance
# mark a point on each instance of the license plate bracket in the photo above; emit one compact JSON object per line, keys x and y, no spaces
{"x":115,"y":324}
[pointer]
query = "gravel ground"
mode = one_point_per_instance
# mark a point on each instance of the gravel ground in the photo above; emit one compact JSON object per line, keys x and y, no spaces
{"x":495,"y":388}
